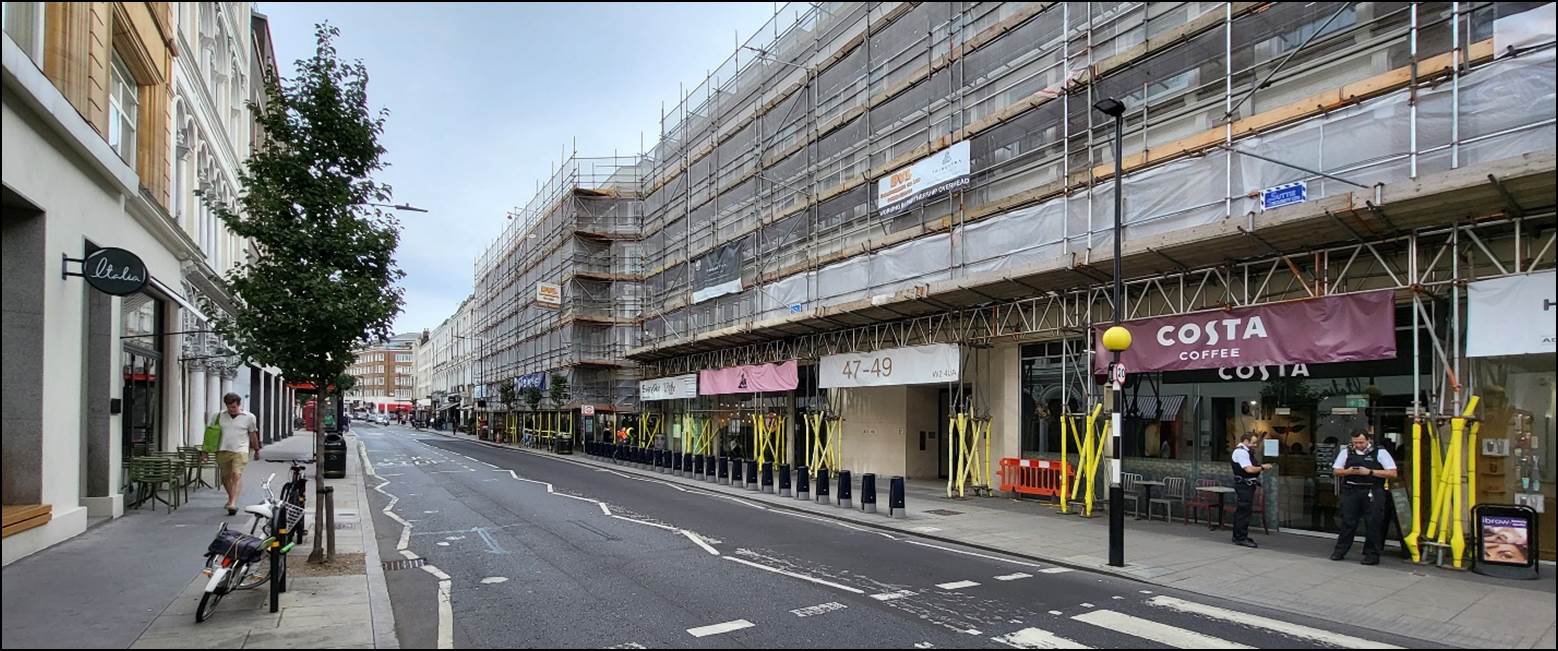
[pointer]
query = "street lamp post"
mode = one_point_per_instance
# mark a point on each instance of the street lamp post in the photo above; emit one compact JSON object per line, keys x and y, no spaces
{"x":1117,"y":339}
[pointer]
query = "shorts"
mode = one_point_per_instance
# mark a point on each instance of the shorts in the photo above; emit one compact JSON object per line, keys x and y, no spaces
{"x":231,"y":462}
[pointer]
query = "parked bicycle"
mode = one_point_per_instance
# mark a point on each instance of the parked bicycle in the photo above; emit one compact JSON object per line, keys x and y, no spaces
{"x":237,"y":561}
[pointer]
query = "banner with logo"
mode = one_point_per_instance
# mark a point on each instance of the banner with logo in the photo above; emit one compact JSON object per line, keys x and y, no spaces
{"x":549,"y":294}
{"x":669,"y":388}
{"x":530,"y":381}
{"x":931,"y":364}
{"x":1342,"y":328}
{"x":756,"y":378}
{"x":718,"y":272}
{"x":940,"y":172}
{"x":1511,"y":316}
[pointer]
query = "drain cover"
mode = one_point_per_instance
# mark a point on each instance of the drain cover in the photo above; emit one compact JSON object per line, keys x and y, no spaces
{"x":944,"y":512}
{"x":404,"y":564}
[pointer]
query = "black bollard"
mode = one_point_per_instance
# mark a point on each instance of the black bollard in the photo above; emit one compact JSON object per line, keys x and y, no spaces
{"x":802,"y":483}
{"x":708,"y":467}
{"x":697,"y":465}
{"x":784,"y":481}
{"x":751,"y":475}
{"x":687,"y":464}
{"x":736,"y":476}
{"x":845,"y":485}
{"x":724,"y":470}
{"x":767,"y":485}
{"x":895,"y":501}
{"x":822,"y":486}
{"x":868,"y":492}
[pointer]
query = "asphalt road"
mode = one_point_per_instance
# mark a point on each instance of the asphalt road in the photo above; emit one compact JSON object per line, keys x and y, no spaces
{"x":531,"y":550}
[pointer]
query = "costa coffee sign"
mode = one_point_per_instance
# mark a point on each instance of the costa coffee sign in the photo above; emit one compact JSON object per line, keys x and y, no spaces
{"x":1344,"y":328}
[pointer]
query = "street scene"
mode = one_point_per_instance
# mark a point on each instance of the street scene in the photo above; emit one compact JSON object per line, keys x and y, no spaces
{"x":779,"y":325}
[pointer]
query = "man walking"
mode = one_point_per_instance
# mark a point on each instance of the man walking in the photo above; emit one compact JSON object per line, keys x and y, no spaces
{"x":240,"y":437}
{"x":1246,"y":477}
{"x":1363,"y":470}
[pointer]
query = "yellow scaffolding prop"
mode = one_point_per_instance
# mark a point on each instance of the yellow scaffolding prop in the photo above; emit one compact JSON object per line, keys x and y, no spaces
{"x":698,"y":432}
{"x":1090,"y":448}
{"x":768,"y":439}
{"x":824,"y":442}
{"x":1453,"y":472}
{"x":968,"y":459}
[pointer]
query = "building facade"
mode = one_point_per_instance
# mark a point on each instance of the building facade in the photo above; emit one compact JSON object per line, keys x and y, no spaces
{"x":384,"y":372}
{"x":446,"y":362}
{"x":100,"y":142}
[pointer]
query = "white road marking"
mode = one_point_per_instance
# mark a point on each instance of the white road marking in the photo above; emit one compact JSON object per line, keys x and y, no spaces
{"x":1150,"y":630}
{"x":603,"y":508}
{"x":923,"y":645}
{"x":445,"y":614}
{"x":889,"y":596}
{"x":802,"y":577}
{"x":628,"y":645}
{"x":433,"y":570}
{"x":698,"y":540}
{"x":926,"y":529}
{"x":974,"y":631}
{"x":818,"y":609}
{"x":429,"y":512}
{"x":1117,"y":597}
{"x":1086,"y":605}
{"x":716,"y":629}
{"x":441,"y":543}
{"x":576,"y":497}
{"x":494,"y":579}
{"x":1038,"y":638}
{"x":455,"y":538}
{"x":1055,"y":612}
{"x":649,"y":524}
{"x":1014,"y":577}
{"x":1055,"y":570}
{"x":974,"y":554}
{"x":957,"y":585}
{"x":1286,"y":628}
{"x":410,"y":555}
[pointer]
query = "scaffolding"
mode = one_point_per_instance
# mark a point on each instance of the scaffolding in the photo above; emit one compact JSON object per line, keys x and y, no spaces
{"x":771,"y":161}
{"x":581,"y":232}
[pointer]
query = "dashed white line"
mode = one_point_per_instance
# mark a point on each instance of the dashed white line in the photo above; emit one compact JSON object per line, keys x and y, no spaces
{"x":974,"y":554}
{"x":957,"y":585}
{"x":1055,"y":570}
{"x":1014,"y":577}
{"x":1038,"y":638}
{"x":494,"y":579}
{"x":603,"y":508}
{"x":889,"y":596}
{"x":788,"y":573}
{"x":818,"y":609}
{"x":716,"y":629}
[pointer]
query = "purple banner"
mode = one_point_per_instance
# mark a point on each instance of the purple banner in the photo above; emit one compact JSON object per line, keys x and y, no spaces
{"x":748,"y":379}
{"x":1343,"y":328}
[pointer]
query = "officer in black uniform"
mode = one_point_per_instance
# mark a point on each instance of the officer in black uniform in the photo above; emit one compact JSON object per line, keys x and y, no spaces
{"x":1246,"y":478}
{"x":1363,"y":469}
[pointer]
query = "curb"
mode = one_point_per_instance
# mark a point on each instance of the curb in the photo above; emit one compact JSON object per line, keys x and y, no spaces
{"x":379,"y":605}
{"x":882,"y":527}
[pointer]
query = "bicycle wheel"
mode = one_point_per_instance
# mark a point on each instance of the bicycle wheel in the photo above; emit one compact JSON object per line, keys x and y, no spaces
{"x":251,"y":578}
{"x":208,"y":602}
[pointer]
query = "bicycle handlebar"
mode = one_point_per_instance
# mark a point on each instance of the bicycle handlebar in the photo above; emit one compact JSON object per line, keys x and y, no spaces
{"x":301,"y":461}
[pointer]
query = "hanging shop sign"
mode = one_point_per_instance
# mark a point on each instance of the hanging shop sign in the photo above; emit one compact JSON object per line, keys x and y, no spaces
{"x":110,"y":270}
{"x":1284,"y":195}
{"x":587,"y":410}
{"x":939,"y":173}
{"x":755,"y":378}
{"x":931,"y":364}
{"x":530,"y":381}
{"x":1342,"y":328}
{"x":718,"y":272}
{"x":1492,"y":305}
{"x":669,"y":388}
{"x":549,"y":294}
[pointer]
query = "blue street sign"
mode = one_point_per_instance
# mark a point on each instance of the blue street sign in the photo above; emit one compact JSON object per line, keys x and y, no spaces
{"x":795,"y":309}
{"x":1284,"y":195}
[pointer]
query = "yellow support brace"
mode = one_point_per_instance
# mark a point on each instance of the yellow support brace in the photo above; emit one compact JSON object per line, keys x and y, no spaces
{"x":1410,"y":540}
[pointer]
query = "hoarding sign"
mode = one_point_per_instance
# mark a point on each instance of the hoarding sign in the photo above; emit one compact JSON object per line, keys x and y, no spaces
{"x":1493,"y":306}
{"x":530,"y":381}
{"x":756,"y":378}
{"x":931,"y":364}
{"x":1283,"y":195}
{"x":549,"y":294}
{"x":669,"y":388}
{"x":936,"y":174}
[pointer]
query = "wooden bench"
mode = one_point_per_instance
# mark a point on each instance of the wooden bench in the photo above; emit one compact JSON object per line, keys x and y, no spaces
{"x":21,"y":517}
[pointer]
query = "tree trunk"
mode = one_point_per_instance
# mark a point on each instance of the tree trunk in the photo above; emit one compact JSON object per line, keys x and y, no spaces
{"x":317,"y":555}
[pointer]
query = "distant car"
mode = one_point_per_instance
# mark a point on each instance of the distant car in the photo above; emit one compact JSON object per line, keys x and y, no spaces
{"x":381,"y":419}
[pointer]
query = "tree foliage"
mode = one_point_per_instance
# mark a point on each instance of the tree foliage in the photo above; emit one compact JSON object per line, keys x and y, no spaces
{"x":323,"y":280}
{"x":507,"y":395}
{"x":557,"y":389}
{"x":532,"y":397}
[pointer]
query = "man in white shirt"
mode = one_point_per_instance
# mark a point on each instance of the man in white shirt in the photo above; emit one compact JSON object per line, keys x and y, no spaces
{"x":240,"y":437}
{"x":1363,"y":469}
{"x":1246,"y":478}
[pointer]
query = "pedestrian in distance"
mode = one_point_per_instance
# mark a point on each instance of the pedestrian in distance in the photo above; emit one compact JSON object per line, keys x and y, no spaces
{"x":240,"y":438}
{"x":1246,"y":478}
{"x":1363,"y":469}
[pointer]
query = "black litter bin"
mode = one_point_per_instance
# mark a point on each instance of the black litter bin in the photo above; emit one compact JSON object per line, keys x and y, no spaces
{"x":335,"y":456}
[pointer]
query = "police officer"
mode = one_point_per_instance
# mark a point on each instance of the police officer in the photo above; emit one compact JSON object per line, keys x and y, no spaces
{"x":1246,"y":477}
{"x":1363,"y":469}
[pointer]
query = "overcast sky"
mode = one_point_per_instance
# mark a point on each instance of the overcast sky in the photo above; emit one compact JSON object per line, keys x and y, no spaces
{"x":484,"y":98}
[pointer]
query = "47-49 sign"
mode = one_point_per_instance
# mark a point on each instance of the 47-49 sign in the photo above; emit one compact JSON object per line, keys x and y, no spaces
{"x":933,"y":364}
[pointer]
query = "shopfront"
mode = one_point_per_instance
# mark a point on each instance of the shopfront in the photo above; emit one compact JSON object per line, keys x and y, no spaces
{"x":142,"y":363}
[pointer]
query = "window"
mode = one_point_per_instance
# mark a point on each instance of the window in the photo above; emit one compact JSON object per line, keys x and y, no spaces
{"x":123,"y":109}
{"x":24,"y":24}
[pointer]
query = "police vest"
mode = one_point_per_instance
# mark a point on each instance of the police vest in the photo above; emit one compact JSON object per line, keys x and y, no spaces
{"x":1368,"y":459}
{"x":1241,"y":475}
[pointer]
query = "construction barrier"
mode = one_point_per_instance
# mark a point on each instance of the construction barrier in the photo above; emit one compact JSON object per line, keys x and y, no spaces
{"x":1036,"y":477}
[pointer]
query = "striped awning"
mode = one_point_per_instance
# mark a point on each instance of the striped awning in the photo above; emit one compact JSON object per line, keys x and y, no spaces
{"x":1146,"y":407}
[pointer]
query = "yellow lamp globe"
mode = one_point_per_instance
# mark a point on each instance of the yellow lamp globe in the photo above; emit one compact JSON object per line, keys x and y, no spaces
{"x":1117,"y":339}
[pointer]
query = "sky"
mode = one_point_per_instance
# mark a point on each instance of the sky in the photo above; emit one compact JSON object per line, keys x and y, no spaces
{"x":484,"y":99}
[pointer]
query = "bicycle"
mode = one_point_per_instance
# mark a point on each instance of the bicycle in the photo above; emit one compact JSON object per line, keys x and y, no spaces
{"x":295,"y":491}
{"x":233,"y":559}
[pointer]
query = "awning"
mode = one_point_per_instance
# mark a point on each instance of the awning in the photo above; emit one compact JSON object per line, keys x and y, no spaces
{"x":1146,"y":406}
{"x":177,"y":298}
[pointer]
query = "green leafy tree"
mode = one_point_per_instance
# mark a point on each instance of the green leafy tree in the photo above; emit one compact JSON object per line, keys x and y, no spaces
{"x":323,"y":280}
{"x":532,"y":397}
{"x":508,"y":396}
{"x":558,"y":389}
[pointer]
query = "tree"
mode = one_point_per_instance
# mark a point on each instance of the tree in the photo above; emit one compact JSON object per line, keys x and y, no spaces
{"x":532,"y":397}
{"x":507,"y":395}
{"x":323,"y":279}
{"x":557,"y":389}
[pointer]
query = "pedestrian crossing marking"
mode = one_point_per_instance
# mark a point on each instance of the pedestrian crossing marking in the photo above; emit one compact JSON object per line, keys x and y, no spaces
{"x":1038,"y":638}
{"x":1157,"y":632}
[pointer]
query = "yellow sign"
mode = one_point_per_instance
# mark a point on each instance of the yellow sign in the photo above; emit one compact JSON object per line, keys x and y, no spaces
{"x":549,"y":294}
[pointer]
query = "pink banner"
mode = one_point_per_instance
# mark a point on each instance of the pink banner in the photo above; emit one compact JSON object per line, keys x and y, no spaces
{"x":1343,"y":328}
{"x":748,"y":379}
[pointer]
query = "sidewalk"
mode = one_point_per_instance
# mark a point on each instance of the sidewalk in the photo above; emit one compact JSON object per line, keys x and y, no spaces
{"x":135,"y":581}
{"x":1293,"y":572}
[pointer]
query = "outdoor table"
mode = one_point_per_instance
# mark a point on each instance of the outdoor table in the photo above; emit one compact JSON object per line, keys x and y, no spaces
{"x":1222,"y":498}
{"x":1149,"y":485}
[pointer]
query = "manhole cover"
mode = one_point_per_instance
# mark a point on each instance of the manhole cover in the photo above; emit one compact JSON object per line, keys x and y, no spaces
{"x":346,"y":525}
{"x":944,"y":512}
{"x":404,"y":564}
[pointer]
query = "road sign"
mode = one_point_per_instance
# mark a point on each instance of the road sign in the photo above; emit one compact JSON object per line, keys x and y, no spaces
{"x":1118,"y":375}
{"x":587,"y":410}
{"x":1282,"y":195}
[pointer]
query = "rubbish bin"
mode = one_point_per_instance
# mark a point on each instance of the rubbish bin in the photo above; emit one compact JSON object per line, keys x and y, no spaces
{"x":335,"y":456}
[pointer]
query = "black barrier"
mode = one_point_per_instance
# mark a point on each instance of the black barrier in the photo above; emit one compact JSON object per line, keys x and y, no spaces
{"x":802,"y":483}
{"x":784,"y":481}
{"x":724,"y":470}
{"x":687,"y":463}
{"x":868,"y":492}
{"x":736,"y":468}
{"x":751,"y":474}
{"x":822,"y":485}
{"x":708,"y":467}
{"x":895,"y":503}
{"x":845,"y":485}
{"x":697,"y":464}
{"x":767,"y":484}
